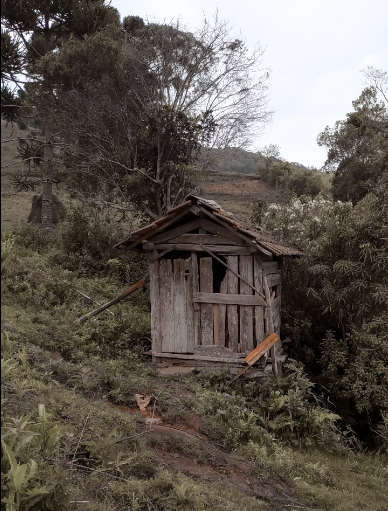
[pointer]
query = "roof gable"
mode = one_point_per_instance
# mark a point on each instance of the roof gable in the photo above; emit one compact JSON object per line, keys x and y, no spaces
{"x":230,"y":227}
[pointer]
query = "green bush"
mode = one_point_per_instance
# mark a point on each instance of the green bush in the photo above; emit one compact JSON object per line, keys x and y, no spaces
{"x":339,"y":285}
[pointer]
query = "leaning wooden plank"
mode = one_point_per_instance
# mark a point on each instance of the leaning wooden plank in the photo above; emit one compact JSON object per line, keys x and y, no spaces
{"x":179,"y":307}
{"x":155,"y":305}
{"x":274,"y":279}
{"x":229,"y":299}
{"x":222,"y":314}
{"x":177,"y":231}
{"x":190,"y":343}
{"x":205,"y":239}
{"x":166,"y":305}
{"x":206,"y":286}
{"x":231,"y":310}
{"x":254,"y":356}
{"x":206,"y":249}
{"x":129,"y":291}
{"x":196,"y":306}
{"x":191,"y":247}
{"x":246,"y":312}
{"x":259,"y":312}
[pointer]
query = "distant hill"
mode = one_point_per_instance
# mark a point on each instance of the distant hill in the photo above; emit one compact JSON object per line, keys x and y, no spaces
{"x":235,"y":160}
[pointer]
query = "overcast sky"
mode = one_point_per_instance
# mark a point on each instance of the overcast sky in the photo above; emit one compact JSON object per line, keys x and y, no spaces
{"x":314,"y":48}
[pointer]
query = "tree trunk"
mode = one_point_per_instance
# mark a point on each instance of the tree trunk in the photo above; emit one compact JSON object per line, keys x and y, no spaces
{"x":48,"y":154}
{"x":47,"y":180}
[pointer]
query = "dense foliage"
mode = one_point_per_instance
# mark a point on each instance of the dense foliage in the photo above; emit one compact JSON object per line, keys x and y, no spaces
{"x":335,"y":296}
{"x":358,"y":148}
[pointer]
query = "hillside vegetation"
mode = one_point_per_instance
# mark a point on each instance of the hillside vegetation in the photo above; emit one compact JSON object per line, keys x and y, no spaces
{"x":69,"y":409}
{"x":69,"y":390}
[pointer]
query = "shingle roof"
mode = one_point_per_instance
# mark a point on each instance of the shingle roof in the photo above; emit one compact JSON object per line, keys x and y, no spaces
{"x":243,"y":229}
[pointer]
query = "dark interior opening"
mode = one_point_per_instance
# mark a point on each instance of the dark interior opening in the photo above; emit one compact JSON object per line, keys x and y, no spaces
{"x":219,"y":272}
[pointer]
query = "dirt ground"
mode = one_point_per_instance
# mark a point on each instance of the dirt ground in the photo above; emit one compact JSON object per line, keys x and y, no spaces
{"x":216,"y":465}
{"x":237,"y":192}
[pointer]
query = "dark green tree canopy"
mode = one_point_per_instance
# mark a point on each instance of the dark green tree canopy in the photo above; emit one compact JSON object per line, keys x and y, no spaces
{"x":358,"y":148}
{"x":139,"y":104}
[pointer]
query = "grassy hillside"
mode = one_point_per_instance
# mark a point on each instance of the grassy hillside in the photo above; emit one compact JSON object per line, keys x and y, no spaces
{"x":232,"y":186}
{"x":69,"y":404}
{"x":70,"y":416}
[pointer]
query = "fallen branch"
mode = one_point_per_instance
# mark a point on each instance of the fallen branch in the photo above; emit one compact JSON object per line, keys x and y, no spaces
{"x":129,"y":291}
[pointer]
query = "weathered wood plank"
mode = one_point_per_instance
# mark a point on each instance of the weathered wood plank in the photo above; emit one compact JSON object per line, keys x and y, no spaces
{"x":276,"y":303}
{"x":216,"y":325}
{"x":270,"y":266}
{"x":274,"y":279}
{"x":187,"y":356}
{"x":179,"y":300}
{"x":205,"y":239}
{"x":206,"y":286}
{"x":166,"y":305}
{"x":216,"y":351}
{"x":229,"y":299}
{"x":177,"y":231}
{"x":259,"y":312}
{"x":231,"y":310}
{"x":155,"y":305}
{"x":222,"y":318}
{"x":190,"y":247}
{"x":190,"y":313}
{"x":259,"y":351}
{"x":246,"y":313}
{"x":219,"y":230}
{"x":196,"y":306}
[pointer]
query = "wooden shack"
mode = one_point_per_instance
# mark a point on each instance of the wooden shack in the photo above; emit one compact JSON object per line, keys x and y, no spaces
{"x":215,"y":287}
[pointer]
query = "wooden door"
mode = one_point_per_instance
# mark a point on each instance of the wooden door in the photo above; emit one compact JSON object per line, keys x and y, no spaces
{"x":175,"y":306}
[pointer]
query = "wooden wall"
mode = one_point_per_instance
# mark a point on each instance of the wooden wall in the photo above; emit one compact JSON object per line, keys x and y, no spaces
{"x":186,"y":312}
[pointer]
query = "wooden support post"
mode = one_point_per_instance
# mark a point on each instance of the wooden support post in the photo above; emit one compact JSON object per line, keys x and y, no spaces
{"x":196,"y":306}
{"x":259,"y":312}
{"x":246,"y":311}
{"x":268,"y":299}
{"x":166,"y":306}
{"x":232,"y":312}
{"x":155,"y":306}
{"x":179,"y":307}
{"x":190,"y":313}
